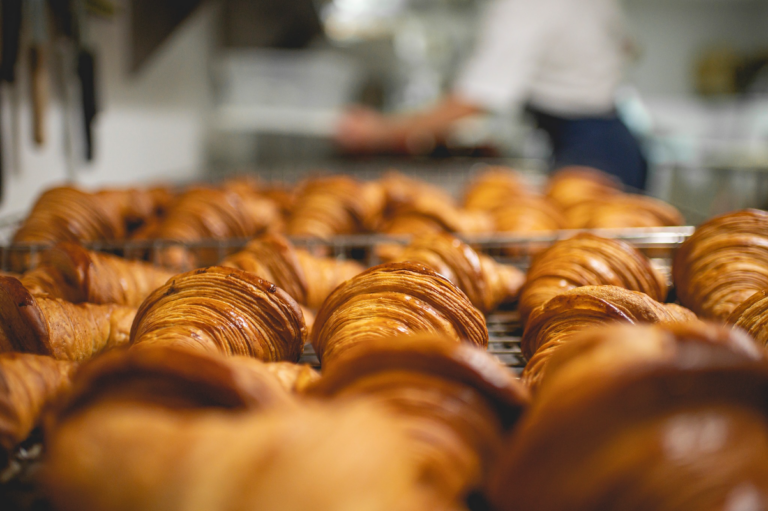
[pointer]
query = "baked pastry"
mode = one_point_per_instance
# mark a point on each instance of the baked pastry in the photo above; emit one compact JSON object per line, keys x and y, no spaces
{"x":28,"y":385}
{"x":723,"y":263}
{"x":137,"y":206}
{"x":402,"y":190}
{"x":752,"y":316}
{"x":570,"y":186}
{"x":486,"y":283}
{"x":588,"y":260}
{"x":307,"y":278}
{"x":622,"y":211}
{"x":493,"y":188}
{"x":455,"y":400}
{"x":208,"y":213}
{"x":391,"y":300}
{"x":273,"y":258}
{"x":686,"y":430}
{"x":431,"y":213}
{"x":176,"y":379}
{"x":70,"y":272}
{"x":295,"y":378}
{"x":122,"y":457}
{"x":333,"y":205}
{"x":528,"y":215}
{"x":324,"y":274}
{"x":605,"y":352}
{"x":223,"y":310}
{"x":55,"y":327}
{"x":554,"y":323}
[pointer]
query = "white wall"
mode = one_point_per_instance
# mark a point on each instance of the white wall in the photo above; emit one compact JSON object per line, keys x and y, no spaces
{"x":152,"y":126}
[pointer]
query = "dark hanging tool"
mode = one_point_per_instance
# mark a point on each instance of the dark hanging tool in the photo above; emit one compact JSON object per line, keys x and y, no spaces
{"x":10,"y":12}
{"x":86,"y":72}
{"x":39,"y":80}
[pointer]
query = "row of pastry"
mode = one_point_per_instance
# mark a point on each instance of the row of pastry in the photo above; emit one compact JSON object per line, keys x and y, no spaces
{"x":497,"y":200}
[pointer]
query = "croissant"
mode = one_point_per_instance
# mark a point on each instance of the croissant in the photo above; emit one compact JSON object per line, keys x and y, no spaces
{"x":588,"y":260}
{"x":429,"y":214}
{"x":137,"y":206}
{"x":122,"y":457}
{"x":455,"y":400}
{"x":486,"y":283}
{"x":493,"y":188}
{"x":324,"y":274}
{"x":334,"y":205}
{"x":208,"y":213}
{"x":295,"y":378}
{"x":723,"y":263}
{"x":63,"y":330}
{"x":529,"y":215}
{"x":70,"y":272}
{"x":401,"y":190}
{"x":223,"y":310}
{"x":391,"y":300}
{"x":685,"y":429}
{"x":573,"y":185}
{"x":553,"y":324}
{"x":28,"y":384}
{"x":752,"y":316}
{"x":605,"y":352}
{"x":620,"y":211}
{"x":177,"y":379}
{"x":273,"y":258}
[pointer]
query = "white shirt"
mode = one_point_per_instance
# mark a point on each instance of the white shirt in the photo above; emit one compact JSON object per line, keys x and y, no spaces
{"x":564,"y":57}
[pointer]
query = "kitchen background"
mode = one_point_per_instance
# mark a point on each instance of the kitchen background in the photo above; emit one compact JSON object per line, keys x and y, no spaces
{"x":214,"y":97}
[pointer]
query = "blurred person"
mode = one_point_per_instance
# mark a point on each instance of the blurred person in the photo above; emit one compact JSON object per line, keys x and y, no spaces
{"x":561,"y":60}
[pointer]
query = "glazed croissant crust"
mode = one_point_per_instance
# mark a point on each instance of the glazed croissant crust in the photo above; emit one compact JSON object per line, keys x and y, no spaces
{"x":684,"y":429}
{"x":70,"y":272}
{"x":752,"y":316}
{"x":28,"y":384}
{"x":63,"y":330}
{"x":553,"y":324}
{"x":723,"y":263}
{"x":486,"y":283}
{"x":222,"y":310}
{"x":493,"y":188}
{"x":588,"y":260}
{"x":455,"y":400}
{"x":391,"y":300}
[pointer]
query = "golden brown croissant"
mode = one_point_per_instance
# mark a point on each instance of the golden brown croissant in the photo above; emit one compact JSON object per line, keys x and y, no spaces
{"x":684,"y":431}
{"x":723,"y":263}
{"x":209,"y":213}
{"x":430,"y":213}
{"x":137,"y":206}
{"x":391,"y":300}
{"x":293,"y":377}
{"x":121,"y":457}
{"x":493,"y":188}
{"x":528,"y":214}
{"x":606,"y":352}
{"x":273,"y":258}
{"x":223,"y":310}
{"x":70,"y":272}
{"x":752,"y":316}
{"x":324,"y":274}
{"x":333,"y":205}
{"x":620,"y":211}
{"x":455,"y":400}
{"x":63,"y":330}
{"x":486,"y":283}
{"x":176,"y":378}
{"x":28,"y":384}
{"x":69,"y":214}
{"x":573,"y":185}
{"x":402,"y":190}
{"x":588,"y":260}
{"x":555,"y":322}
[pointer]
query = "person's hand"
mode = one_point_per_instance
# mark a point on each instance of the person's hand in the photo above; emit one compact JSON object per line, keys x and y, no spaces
{"x":362,"y":130}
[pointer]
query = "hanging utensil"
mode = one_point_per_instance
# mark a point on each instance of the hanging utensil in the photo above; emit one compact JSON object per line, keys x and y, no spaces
{"x":39,"y":79}
{"x":10,"y":11}
{"x":86,"y":72}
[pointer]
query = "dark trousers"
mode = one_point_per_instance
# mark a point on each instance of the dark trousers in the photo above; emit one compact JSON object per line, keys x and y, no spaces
{"x":604,"y":143}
